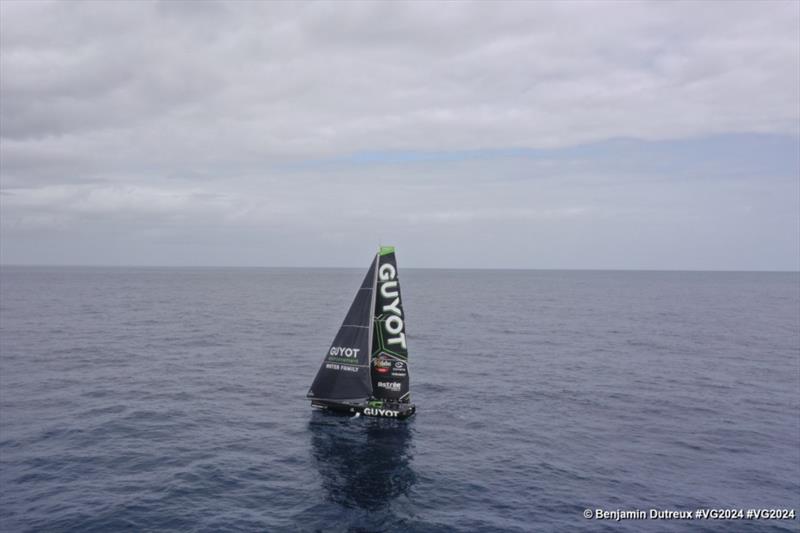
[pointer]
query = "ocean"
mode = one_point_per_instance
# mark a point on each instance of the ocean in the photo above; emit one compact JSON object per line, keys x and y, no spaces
{"x":173,"y":399}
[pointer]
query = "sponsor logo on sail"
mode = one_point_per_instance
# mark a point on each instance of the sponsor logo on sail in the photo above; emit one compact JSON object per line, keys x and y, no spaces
{"x":393,"y":324}
{"x":344,"y":351}
{"x":382,"y":365}
{"x":346,"y":368}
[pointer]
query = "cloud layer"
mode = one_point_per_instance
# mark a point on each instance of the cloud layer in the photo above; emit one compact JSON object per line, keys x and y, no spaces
{"x":240,"y":126}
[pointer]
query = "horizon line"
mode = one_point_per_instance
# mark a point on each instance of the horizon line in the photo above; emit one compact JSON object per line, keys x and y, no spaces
{"x":77,"y":265}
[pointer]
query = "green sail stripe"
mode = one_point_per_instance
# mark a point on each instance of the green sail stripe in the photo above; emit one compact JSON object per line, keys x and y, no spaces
{"x":382,"y":344}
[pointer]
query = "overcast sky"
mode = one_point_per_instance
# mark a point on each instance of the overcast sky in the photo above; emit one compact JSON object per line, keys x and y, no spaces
{"x":658,"y":135}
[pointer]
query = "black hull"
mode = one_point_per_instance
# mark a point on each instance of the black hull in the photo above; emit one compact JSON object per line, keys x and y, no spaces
{"x":397,"y":410}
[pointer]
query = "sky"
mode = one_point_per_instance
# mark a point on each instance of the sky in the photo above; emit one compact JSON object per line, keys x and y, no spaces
{"x":576,"y":135}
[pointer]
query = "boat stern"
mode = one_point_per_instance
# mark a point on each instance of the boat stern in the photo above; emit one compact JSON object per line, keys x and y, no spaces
{"x":399,"y":410}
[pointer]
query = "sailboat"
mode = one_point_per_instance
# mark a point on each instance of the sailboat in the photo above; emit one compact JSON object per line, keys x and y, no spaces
{"x":365,"y":370}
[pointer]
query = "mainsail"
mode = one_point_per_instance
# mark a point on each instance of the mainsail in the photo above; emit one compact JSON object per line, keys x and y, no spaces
{"x":390,"y":378}
{"x":345,"y":371}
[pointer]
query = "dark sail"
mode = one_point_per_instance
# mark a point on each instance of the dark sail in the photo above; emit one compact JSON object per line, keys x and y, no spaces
{"x":390,"y":378}
{"x":344,"y":374}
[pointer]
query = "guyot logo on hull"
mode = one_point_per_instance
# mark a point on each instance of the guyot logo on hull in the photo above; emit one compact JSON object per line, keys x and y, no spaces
{"x":393,"y":325}
{"x":370,"y":411}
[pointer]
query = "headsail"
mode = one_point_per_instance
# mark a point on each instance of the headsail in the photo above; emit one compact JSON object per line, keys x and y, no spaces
{"x":345,"y":371}
{"x":390,"y":378}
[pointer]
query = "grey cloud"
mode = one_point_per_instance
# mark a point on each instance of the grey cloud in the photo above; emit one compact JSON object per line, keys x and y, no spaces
{"x":353,"y":76}
{"x":215,"y":116}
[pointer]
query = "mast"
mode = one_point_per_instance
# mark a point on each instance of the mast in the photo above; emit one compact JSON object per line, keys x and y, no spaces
{"x":372,"y":315}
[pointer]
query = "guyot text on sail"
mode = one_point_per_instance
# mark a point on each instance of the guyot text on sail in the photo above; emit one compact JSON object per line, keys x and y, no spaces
{"x":393,"y":325}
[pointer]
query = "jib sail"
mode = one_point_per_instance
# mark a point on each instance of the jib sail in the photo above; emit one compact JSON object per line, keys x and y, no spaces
{"x":345,"y":371}
{"x":390,"y":378}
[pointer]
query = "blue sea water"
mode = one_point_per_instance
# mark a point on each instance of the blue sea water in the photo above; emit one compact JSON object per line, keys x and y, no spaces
{"x":149,"y":399}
